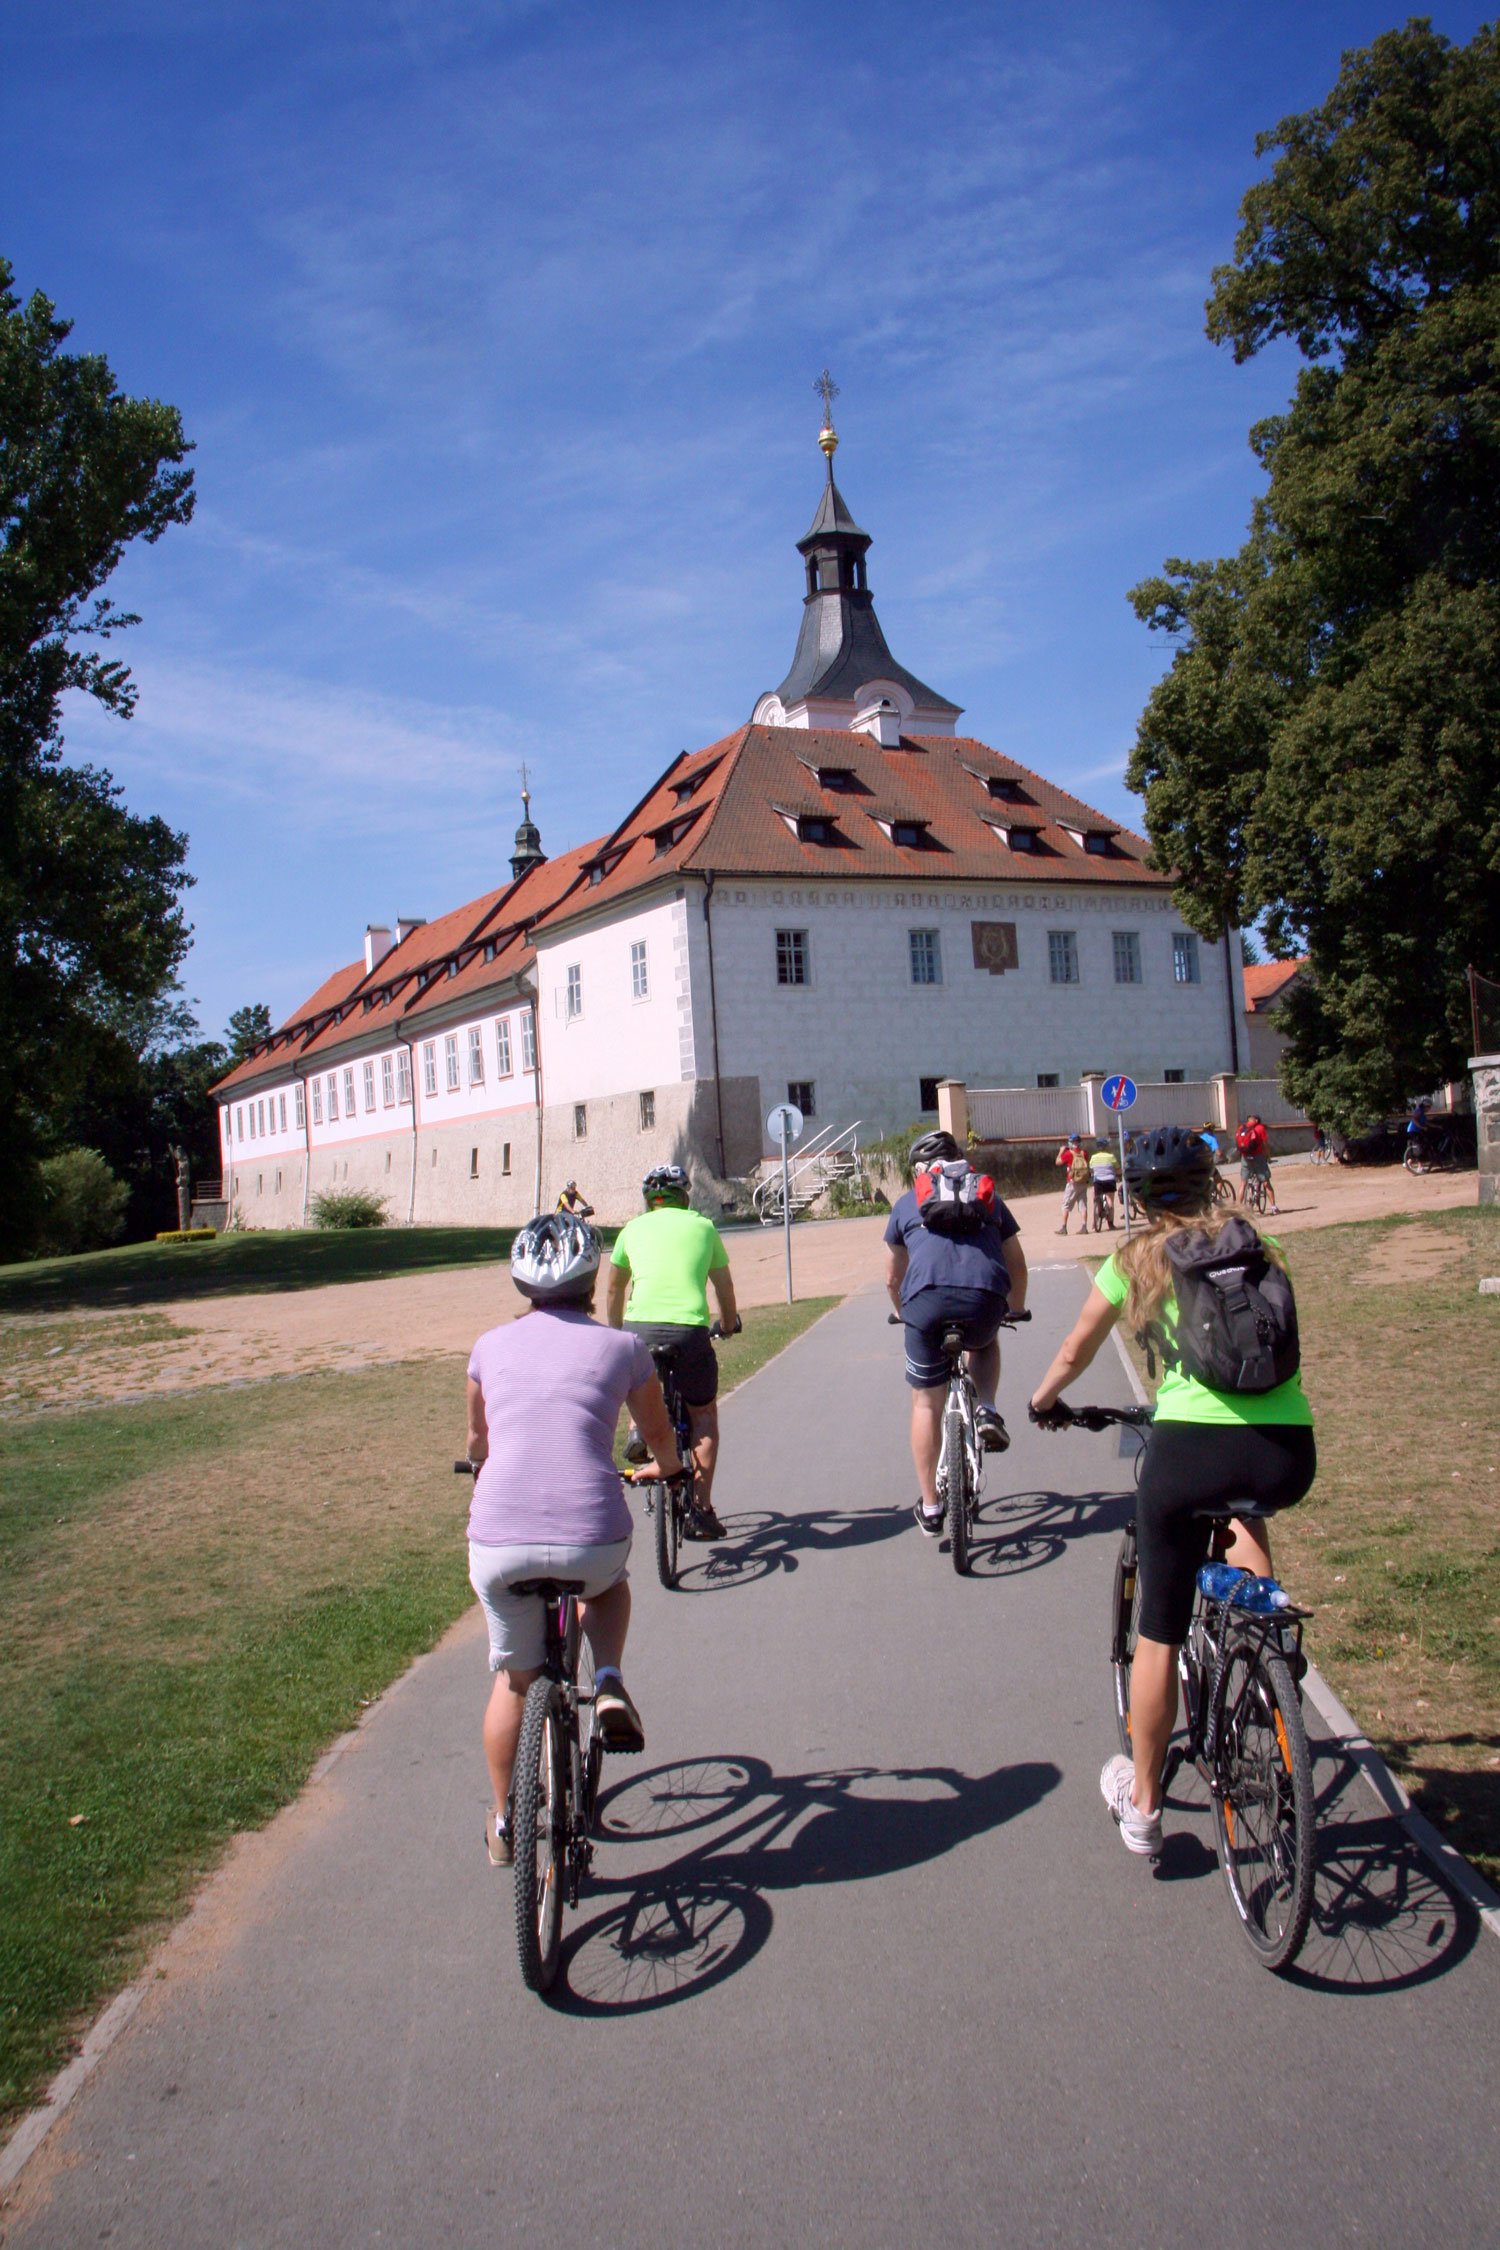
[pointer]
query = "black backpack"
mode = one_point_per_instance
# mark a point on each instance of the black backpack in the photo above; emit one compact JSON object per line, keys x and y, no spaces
{"x":1236,"y":1316}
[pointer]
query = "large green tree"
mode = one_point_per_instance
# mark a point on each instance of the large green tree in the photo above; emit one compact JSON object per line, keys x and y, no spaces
{"x":91,"y":921}
{"x":1324,"y":752}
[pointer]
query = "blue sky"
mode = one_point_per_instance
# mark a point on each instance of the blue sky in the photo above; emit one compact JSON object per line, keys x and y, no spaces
{"x":496,"y":324}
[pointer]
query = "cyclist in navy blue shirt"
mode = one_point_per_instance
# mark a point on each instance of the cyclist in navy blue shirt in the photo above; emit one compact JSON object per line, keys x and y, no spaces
{"x":937,"y":1281}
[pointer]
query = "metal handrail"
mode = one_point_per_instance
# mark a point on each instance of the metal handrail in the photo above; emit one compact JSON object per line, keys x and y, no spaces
{"x":832,"y":1141}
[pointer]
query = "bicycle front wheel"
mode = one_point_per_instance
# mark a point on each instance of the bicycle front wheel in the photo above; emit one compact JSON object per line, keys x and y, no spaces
{"x":1125,"y":1614}
{"x":1413,"y":1159}
{"x":539,"y":1819}
{"x":1264,"y":1818}
{"x":960,"y":1488}
{"x":1223,"y":1189}
{"x":665,"y":1507}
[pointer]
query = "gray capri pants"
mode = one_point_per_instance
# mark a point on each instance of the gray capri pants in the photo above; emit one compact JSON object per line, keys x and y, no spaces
{"x":517,"y":1622}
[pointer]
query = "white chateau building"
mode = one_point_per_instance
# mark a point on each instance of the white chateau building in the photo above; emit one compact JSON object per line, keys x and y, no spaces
{"x":840,"y":904}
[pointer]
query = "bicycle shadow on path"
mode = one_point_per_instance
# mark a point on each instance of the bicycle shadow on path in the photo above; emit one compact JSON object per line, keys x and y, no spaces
{"x":758,"y":1543}
{"x":678,"y":1930}
{"x":1383,"y":1918}
{"x":1020,"y":1531}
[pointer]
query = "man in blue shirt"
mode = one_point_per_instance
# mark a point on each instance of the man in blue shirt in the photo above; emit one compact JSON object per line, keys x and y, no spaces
{"x":937,"y":1281}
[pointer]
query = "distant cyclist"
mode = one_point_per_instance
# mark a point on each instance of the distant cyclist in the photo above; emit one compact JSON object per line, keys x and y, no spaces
{"x":572,"y":1200}
{"x":1208,"y":1446}
{"x":937,"y":1281}
{"x":668,"y":1259}
{"x":544,"y":1400}
{"x":1104,"y":1178}
{"x":1254,"y":1146}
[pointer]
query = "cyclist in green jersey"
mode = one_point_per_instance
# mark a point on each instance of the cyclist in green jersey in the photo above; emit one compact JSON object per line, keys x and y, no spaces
{"x":668,"y":1259}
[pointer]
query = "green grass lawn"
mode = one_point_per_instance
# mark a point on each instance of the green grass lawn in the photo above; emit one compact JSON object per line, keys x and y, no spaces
{"x":196,"y":1595}
{"x":153,"y":1273}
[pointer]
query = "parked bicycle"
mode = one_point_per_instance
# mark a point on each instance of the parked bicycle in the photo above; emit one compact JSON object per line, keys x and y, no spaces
{"x":1431,"y":1149}
{"x":1240,"y":1670}
{"x":960,"y":1470}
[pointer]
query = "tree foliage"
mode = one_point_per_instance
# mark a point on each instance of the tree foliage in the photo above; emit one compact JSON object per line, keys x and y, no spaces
{"x":1324,"y":752}
{"x":249,"y":1028}
{"x":90,"y":915}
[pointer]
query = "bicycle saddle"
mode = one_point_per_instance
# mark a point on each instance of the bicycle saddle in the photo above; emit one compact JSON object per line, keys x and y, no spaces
{"x":550,"y":1589}
{"x":953,"y":1342}
{"x":1248,"y":1511}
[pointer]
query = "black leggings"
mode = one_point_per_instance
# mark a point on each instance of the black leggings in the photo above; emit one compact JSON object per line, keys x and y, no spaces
{"x":1192,"y":1465}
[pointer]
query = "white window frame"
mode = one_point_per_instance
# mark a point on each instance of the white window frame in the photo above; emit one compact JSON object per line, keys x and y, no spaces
{"x":403,"y":1078}
{"x":333,"y":1097}
{"x":368,"y":1075}
{"x":580,"y":1121}
{"x":1062,"y":953}
{"x":1125,"y":945}
{"x":450,"y":1061}
{"x":388,"y":1081}
{"x":239,"y":1122}
{"x":648,"y":1111}
{"x":925,"y":956}
{"x":317,"y":1099}
{"x":281,"y":1110}
{"x":503,"y":1064}
{"x":528,"y":1041}
{"x":573,"y":991}
{"x":299,"y":1107}
{"x":349,"y":1108}
{"x":476,"y":1054}
{"x":793,"y":960}
{"x":640,"y":980}
{"x":1186,"y":968}
{"x":808,"y":1087}
{"x":429,"y":1066}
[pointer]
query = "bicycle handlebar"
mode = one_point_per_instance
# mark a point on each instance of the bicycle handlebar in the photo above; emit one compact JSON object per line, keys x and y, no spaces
{"x":719,"y":1331}
{"x":1064,"y":1417}
{"x":1011,"y":1320}
{"x":464,"y":1469}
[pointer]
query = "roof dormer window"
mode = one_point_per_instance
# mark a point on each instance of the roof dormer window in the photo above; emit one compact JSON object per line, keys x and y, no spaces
{"x":840,"y":779}
{"x":1005,"y":788}
{"x":911,"y":835}
{"x":1015,"y":835}
{"x":1099,"y":842}
{"x":816,"y":828}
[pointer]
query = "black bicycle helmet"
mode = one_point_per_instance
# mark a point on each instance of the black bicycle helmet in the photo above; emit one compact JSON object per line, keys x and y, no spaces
{"x":666,"y":1183}
{"x":934,"y":1148}
{"x":1170,"y":1169}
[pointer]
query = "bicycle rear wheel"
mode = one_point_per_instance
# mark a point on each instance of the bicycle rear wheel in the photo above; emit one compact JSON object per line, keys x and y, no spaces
{"x":666,"y":1506}
{"x":539,"y":1819}
{"x":1125,"y":1612}
{"x":960,"y":1487}
{"x":1264,"y":1814}
{"x":1223,"y":1189}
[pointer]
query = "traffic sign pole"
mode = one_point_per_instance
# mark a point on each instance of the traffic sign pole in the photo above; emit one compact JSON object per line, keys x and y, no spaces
{"x":1119,"y":1094}
{"x":786,"y":1205}
{"x":1124,"y":1191}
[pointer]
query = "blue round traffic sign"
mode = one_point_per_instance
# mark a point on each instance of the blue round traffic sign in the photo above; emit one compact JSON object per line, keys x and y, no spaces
{"x":1119,"y":1093}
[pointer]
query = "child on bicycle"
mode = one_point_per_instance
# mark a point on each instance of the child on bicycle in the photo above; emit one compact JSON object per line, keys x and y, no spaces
{"x":544,"y":1399}
{"x":1207,"y":1447}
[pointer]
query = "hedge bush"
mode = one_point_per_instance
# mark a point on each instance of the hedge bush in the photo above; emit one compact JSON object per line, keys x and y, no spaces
{"x":345,"y":1208}
{"x":83,"y":1204}
{"x":189,"y":1234}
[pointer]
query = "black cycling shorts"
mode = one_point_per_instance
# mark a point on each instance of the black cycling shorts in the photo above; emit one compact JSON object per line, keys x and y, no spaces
{"x":1192,"y":1465}
{"x":687,"y":1352}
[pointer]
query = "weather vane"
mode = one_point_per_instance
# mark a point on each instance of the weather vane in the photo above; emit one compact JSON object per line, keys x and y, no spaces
{"x":525,"y":786}
{"x":827,"y":390}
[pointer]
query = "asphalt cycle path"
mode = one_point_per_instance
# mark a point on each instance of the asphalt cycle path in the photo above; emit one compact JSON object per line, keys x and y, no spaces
{"x":863,"y":1960}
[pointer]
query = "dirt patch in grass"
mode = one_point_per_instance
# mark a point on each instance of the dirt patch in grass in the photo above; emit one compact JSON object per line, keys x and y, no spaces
{"x":1416,"y":1252}
{"x":72,"y":1356}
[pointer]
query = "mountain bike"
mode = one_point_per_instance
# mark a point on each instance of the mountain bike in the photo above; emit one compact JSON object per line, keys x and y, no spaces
{"x":960,"y":1470}
{"x":555,"y":1786}
{"x":1430,"y":1150}
{"x":1243,"y":1732}
{"x":672,"y":1501}
{"x":1256,"y":1192}
{"x":1223,"y":1190}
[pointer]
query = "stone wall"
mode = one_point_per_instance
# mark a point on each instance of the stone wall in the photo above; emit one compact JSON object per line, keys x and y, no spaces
{"x":1484,"y":1072}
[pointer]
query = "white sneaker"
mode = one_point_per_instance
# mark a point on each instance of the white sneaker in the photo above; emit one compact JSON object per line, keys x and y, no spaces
{"x":1139,"y":1832}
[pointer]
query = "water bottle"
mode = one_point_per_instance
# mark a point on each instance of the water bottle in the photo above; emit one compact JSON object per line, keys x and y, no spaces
{"x":1220,"y":1581}
{"x":1262,"y":1597}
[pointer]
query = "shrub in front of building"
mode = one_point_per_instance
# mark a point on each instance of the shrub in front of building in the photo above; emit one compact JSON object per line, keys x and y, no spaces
{"x":347,"y":1208}
{"x":83,"y":1204}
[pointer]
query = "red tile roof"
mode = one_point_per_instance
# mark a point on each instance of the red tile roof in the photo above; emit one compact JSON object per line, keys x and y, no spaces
{"x":1266,"y":981}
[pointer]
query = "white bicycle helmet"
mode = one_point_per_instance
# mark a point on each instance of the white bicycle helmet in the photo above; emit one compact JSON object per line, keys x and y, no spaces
{"x":555,"y":1256}
{"x":666,"y":1183}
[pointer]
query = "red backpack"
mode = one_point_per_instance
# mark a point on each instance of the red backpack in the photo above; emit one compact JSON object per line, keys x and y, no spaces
{"x":953,"y":1198}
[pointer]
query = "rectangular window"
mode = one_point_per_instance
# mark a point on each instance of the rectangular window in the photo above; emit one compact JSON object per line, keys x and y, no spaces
{"x":239,"y":1123}
{"x":1174,"y":1077}
{"x":278,"y":1183}
{"x":261,"y":1120}
{"x":281,"y":1108}
{"x":429,"y":1066}
{"x":580,"y":1121}
{"x":638,"y":984}
{"x":333,"y":1097}
{"x":317,"y":1095}
{"x":528,"y":1040}
{"x":1127,"y":947}
{"x":926,"y":958}
{"x":791,"y":957}
{"x":1048,"y":1078}
{"x":1184,"y":957}
{"x":505,"y":1159}
{"x":388,"y":1081}
{"x":648,"y":1112}
{"x":1062,"y":956}
{"x":403,"y":1076}
{"x":299,"y":1105}
{"x":799,"y":1093}
{"x":502,"y":1047}
{"x":927,"y":1095}
{"x":349,"y":1089}
{"x":573,"y":1006}
{"x":450,"y":1061}
{"x":369,"y":1078}
{"x":476,"y":1055}
{"x":473,"y":1164}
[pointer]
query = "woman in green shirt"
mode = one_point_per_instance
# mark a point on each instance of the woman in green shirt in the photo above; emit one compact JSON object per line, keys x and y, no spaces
{"x":1207,"y":1448}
